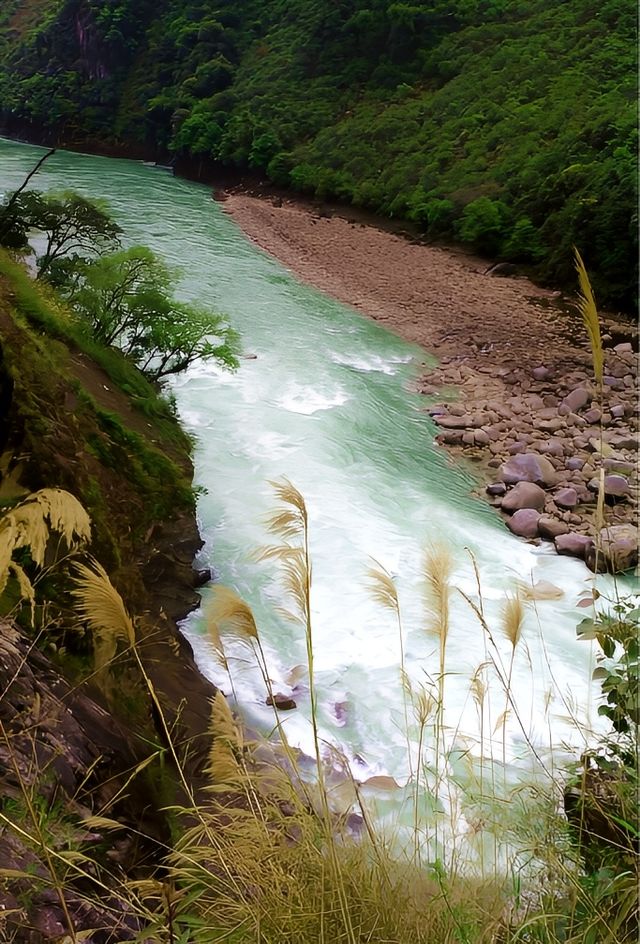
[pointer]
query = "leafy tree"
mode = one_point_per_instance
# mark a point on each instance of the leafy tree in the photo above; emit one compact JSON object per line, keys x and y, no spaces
{"x":416,"y":109}
{"x":126,"y":300}
{"x":484,"y":224}
{"x":73,"y":227}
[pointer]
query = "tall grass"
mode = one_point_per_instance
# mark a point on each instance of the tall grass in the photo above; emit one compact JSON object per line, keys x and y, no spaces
{"x":264,"y":856}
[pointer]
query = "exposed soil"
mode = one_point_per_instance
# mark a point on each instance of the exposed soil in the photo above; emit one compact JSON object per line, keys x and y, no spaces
{"x":512,"y":350}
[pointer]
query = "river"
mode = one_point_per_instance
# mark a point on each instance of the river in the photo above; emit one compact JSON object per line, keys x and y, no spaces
{"x":325,"y":400}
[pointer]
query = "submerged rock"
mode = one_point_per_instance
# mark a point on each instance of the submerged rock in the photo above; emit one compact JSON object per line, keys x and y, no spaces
{"x":281,"y":702}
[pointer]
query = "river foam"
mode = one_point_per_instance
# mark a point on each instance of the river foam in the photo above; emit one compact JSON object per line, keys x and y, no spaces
{"x":325,"y":402}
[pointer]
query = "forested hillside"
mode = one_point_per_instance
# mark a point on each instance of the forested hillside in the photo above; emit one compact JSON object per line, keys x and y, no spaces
{"x":507,"y":124}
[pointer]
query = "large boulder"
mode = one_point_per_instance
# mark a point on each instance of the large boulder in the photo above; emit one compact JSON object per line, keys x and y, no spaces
{"x":524,"y":523}
{"x":524,"y":495}
{"x":528,"y":467}
{"x":574,"y":545}
{"x":618,"y":549}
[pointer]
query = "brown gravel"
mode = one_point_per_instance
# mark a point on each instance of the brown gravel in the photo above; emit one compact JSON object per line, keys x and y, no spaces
{"x":489,"y":333}
{"x":440,"y":299}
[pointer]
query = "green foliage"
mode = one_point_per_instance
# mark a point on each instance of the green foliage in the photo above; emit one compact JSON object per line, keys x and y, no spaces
{"x":414,"y":110}
{"x":125,"y":299}
{"x":484,"y":224}
{"x":71,"y":225}
{"x":618,"y":635}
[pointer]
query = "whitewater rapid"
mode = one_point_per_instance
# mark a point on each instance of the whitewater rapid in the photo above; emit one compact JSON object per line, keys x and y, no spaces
{"x":324,"y":398}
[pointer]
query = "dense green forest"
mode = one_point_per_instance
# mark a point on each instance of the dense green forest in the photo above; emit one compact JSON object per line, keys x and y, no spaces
{"x":509,"y":125}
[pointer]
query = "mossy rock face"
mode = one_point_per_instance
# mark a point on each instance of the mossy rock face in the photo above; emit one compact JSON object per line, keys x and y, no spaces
{"x":72,"y":425}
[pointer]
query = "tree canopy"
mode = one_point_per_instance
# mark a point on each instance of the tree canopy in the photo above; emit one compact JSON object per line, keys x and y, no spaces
{"x":72,"y":227}
{"x":126,"y":299}
{"x":123,"y":298}
{"x":415,"y":110}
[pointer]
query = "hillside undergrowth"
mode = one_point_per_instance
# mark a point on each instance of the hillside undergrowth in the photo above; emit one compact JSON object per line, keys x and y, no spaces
{"x":508,"y":126}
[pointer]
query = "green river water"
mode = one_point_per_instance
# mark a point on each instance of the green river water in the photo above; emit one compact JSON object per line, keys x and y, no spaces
{"x":326,"y":403}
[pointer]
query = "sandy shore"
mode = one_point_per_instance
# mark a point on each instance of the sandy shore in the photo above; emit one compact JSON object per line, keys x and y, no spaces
{"x":439,"y":299}
{"x":515,"y":353}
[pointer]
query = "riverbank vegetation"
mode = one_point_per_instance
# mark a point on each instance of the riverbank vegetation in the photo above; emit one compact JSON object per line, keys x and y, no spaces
{"x":509,"y":127}
{"x":262,"y":851}
{"x":116,"y":298}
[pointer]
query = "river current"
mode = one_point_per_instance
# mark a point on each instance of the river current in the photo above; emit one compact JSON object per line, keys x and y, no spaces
{"x":324,"y":398}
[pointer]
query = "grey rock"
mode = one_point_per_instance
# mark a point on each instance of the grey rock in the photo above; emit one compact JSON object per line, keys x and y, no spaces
{"x":524,"y":495}
{"x":618,"y":548}
{"x":576,"y":400}
{"x":612,"y":464}
{"x":454,"y":422}
{"x":551,"y":527}
{"x":516,"y":448}
{"x":574,"y":464}
{"x":625,"y":441}
{"x":617,"y":411}
{"x":524,"y":523}
{"x":614,"y":383}
{"x":566,"y":498}
{"x":552,"y":447}
{"x":529,"y":467}
{"x":452,"y":437}
{"x":593,"y":415}
{"x":540,"y":373}
{"x":615,"y":486}
{"x":574,"y":419}
{"x":550,"y":426}
{"x":624,"y":347}
{"x":496,"y":488}
{"x":572,"y":544}
{"x":281,"y":702}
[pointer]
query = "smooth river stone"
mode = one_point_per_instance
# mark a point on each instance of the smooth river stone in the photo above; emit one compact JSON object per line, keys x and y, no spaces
{"x":572,"y":544}
{"x":524,"y":523}
{"x":575,"y":401}
{"x":566,"y":498}
{"x":615,"y":486}
{"x":524,"y":495}
{"x":551,"y":527}
{"x":529,"y":467}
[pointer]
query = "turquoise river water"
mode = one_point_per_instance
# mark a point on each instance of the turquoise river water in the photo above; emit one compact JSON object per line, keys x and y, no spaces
{"x":326,"y":402}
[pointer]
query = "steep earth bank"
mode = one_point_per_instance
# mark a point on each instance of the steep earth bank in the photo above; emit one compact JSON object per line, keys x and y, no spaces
{"x":72,"y":745}
{"x":512,"y":390}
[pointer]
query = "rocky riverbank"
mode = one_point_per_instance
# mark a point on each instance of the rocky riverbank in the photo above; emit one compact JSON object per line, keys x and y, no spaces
{"x":512,"y":390}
